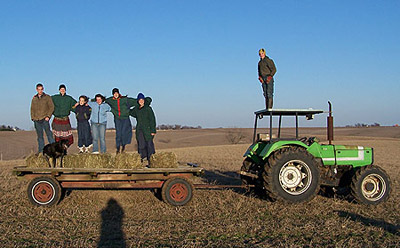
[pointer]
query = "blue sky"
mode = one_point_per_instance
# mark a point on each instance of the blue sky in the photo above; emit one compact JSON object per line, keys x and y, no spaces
{"x":198,"y":59}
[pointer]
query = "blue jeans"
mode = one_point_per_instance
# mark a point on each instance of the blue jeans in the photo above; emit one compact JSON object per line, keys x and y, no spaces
{"x":268,"y":88}
{"x":39,"y":127}
{"x":99,"y":133}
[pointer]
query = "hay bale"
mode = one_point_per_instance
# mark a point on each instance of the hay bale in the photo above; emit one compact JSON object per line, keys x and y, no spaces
{"x":36,"y":161}
{"x":164,"y":160}
{"x":106,"y":160}
{"x":127,"y":161}
{"x":86,"y":160}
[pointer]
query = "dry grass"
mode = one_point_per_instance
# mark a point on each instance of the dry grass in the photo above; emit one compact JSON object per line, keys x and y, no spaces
{"x":226,"y":218}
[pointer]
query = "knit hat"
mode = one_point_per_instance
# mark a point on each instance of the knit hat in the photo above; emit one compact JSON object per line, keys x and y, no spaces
{"x":140,"y":96}
{"x":62,"y":86}
{"x":261,"y":50}
{"x":115,"y":90}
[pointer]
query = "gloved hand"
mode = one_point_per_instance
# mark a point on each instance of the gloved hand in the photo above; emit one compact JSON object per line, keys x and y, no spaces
{"x":260,"y":79}
{"x":269,"y":79}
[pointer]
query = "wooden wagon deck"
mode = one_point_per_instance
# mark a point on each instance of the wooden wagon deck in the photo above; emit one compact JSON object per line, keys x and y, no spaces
{"x":109,"y":177}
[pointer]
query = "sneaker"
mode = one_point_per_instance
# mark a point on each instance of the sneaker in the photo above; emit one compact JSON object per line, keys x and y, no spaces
{"x":86,"y":149}
{"x":95,"y":153}
{"x":81,"y":149}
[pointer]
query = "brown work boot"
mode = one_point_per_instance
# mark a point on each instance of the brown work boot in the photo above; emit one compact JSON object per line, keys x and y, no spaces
{"x":270,"y":103}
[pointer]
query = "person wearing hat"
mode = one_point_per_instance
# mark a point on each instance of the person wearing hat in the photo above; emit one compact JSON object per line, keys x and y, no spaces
{"x":42,"y":108}
{"x":266,"y":72}
{"x":61,"y":125}
{"x":98,"y":121}
{"x":145,"y":127}
{"x":120,"y":106}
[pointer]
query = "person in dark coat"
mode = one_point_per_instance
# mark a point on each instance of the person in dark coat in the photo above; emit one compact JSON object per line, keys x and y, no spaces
{"x":145,"y":127}
{"x":82,"y":111}
{"x":266,"y":72}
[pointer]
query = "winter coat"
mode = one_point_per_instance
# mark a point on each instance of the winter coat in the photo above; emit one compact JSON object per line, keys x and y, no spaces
{"x":146,"y":121}
{"x":99,"y":112}
{"x":82,"y":112}
{"x":266,"y":67}
{"x":63,"y":105}
{"x":120,"y":106}
{"x":41,"y":107}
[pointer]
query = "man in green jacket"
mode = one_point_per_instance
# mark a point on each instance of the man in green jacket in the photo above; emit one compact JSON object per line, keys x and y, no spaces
{"x":61,"y":125}
{"x":145,"y":127}
{"x":42,"y":108}
{"x":266,"y":72}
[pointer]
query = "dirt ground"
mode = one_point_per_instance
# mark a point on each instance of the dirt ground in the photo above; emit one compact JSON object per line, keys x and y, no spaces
{"x":224,"y":218}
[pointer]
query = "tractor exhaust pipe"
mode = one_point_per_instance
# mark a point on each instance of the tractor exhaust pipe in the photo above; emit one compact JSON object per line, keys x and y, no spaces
{"x":330,"y":124}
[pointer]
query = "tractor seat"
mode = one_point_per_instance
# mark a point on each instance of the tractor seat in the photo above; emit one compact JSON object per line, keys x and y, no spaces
{"x":264,"y":137}
{"x":308,"y":140}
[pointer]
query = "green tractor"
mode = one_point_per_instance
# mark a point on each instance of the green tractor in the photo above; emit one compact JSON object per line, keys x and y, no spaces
{"x":294,"y":169}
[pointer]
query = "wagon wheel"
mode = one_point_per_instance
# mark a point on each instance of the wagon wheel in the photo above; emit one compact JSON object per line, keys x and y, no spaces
{"x":44,"y":191}
{"x":177,"y":191}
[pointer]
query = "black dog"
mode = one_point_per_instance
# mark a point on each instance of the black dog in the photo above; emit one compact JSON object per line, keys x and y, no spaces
{"x":55,"y":150}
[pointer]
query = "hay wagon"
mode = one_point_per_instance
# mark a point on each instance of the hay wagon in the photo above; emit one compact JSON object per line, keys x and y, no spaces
{"x":47,"y":185}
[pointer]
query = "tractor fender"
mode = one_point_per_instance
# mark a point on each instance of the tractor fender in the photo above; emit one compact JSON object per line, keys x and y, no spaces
{"x":270,"y":148}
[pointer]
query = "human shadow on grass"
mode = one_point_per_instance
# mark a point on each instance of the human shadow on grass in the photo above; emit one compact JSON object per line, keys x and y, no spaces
{"x":393,"y":229}
{"x":111,"y":234}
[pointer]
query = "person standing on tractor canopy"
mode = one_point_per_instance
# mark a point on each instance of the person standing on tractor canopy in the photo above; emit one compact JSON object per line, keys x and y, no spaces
{"x":42,"y":108}
{"x":61,"y":125}
{"x":145,"y":127}
{"x":266,"y":72}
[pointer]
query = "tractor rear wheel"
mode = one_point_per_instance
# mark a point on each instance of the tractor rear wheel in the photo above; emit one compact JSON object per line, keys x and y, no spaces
{"x":291,"y":174}
{"x":370,"y":185}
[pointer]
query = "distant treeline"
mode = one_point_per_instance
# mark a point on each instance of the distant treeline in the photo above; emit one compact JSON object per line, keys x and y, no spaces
{"x":161,"y":127}
{"x":175,"y":127}
{"x":364,"y":125}
{"x":9,"y":128}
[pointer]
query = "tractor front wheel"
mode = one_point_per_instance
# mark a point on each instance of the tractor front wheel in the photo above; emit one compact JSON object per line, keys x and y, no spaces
{"x":291,"y":174}
{"x":370,"y":185}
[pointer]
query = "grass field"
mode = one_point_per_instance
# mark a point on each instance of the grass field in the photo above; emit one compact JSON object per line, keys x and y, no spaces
{"x":223,"y":218}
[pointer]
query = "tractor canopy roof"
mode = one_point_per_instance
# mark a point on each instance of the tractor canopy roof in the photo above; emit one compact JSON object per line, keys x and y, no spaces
{"x":289,"y":112}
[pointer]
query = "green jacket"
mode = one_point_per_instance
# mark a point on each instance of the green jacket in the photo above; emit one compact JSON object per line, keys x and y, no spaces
{"x":120,"y":106}
{"x":145,"y":121}
{"x":62,"y":105}
{"x":266,"y":67}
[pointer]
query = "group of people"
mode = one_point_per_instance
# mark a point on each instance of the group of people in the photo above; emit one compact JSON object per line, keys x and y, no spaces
{"x":91,"y":116}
